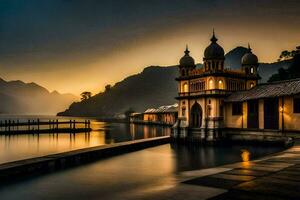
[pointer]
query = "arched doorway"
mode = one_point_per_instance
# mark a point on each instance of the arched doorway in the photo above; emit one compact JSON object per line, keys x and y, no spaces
{"x":196,"y":116}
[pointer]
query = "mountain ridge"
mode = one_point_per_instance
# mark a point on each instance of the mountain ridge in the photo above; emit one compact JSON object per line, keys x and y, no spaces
{"x":18,"y":97}
{"x":153,"y":87}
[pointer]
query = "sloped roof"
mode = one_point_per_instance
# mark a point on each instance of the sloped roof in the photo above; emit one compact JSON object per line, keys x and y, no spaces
{"x":275,"y":89}
{"x":163,"y":109}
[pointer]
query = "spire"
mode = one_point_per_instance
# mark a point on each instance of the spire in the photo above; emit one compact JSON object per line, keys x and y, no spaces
{"x":249,"y":48}
{"x":213,"y":38}
{"x":186,"y":50}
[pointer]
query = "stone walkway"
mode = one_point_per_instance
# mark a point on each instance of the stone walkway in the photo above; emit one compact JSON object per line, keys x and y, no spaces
{"x":276,"y":177}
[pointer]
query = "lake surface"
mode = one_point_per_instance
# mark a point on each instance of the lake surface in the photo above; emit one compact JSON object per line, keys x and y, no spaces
{"x":145,"y":174}
{"x":17,"y":147}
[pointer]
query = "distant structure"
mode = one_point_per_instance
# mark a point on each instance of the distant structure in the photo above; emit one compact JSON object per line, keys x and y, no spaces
{"x":163,"y":115}
{"x":214,"y":102}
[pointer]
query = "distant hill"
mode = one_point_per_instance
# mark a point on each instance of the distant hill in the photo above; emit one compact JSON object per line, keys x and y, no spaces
{"x":233,"y":57}
{"x":266,"y":70}
{"x":153,"y":87}
{"x":18,"y":97}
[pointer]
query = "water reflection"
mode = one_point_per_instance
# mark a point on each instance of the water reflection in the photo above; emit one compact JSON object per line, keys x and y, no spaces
{"x":245,"y":155}
{"x":197,"y":157}
{"x":16,"y":147}
{"x":146,"y":174}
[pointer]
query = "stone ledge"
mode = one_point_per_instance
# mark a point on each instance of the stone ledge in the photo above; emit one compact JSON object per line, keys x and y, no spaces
{"x":34,"y":166}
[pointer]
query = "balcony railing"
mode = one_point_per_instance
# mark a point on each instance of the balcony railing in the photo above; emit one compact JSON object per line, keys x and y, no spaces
{"x":204,"y":92}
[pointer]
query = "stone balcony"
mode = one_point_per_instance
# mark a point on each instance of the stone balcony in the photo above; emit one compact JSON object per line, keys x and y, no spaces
{"x":214,"y":92}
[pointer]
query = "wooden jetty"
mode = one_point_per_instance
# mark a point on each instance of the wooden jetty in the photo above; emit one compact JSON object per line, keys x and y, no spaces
{"x":9,"y":127}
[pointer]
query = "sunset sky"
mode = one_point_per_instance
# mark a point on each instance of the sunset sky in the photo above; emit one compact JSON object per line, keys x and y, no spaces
{"x":77,"y":45}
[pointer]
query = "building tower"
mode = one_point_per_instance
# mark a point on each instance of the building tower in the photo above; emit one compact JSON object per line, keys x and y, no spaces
{"x":214,"y":56}
{"x":186,"y":63}
{"x":186,"y":66}
{"x":250,"y":67}
{"x":202,"y":92}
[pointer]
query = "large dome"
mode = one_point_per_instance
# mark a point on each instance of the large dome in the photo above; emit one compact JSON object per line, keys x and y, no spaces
{"x":249,"y":58}
{"x":214,"y":50}
{"x":187,"y":60}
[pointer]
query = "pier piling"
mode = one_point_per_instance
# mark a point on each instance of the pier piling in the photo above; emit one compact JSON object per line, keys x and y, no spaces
{"x":9,"y":127}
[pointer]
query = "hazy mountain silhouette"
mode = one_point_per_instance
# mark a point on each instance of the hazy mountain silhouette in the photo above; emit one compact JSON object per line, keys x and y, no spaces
{"x":18,"y":97}
{"x":153,"y":87}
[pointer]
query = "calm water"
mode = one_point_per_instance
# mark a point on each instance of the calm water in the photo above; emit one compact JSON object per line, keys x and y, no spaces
{"x":145,"y":174}
{"x":16,"y":147}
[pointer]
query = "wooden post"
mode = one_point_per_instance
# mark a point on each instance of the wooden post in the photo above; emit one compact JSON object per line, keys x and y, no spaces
{"x":29,"y":125}
{"x":74,"y":126}
{"x":38,"y":125}
{"x":9,"y":124}
{"x":5,"y":125}
{"x":18,"y":125}
{"x":70,"y":124}
{"x":57,"y":125}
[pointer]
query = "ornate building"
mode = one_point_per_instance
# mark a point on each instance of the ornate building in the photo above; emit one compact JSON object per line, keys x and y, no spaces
{"x":213,"y":99}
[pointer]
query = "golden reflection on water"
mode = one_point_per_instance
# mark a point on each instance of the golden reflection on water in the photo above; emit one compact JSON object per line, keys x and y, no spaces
{"x":16,"y":147}
{"x":245,"y":157}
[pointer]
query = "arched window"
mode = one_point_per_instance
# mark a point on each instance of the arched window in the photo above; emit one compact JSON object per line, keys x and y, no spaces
{"x":209,"y":111}
{"x":221,"y":85}
{"x":183,"y":111}
{"x":196,"y":116}
{"x":252,"y":70}
{"x":185,"y":87}
{"x":251,"y":85}
{"x":211,"y":84}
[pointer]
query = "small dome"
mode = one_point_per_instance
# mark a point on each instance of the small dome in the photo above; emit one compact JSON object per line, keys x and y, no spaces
{"x":249,"y":58}
{"x":187,"y":60}
{"x":214,"y":50}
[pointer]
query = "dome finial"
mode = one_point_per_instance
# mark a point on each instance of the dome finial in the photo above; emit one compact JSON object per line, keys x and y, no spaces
{"x":213,"y":38}
{"x":187,"y":60}
{"x":187,"y":50}
{"x":249,"y":58}
{"x":249,"y":48}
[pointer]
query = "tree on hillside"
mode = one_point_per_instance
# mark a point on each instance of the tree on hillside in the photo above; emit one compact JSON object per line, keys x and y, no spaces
{"x":107,"y":88}
{"x":286,"y":55}
{"x":85,"y":95}
{"x":292,"y":72}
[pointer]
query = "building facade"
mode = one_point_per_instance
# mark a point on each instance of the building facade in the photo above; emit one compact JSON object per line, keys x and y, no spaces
{"x":163,"y":115}
{"x":213,"y":99}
